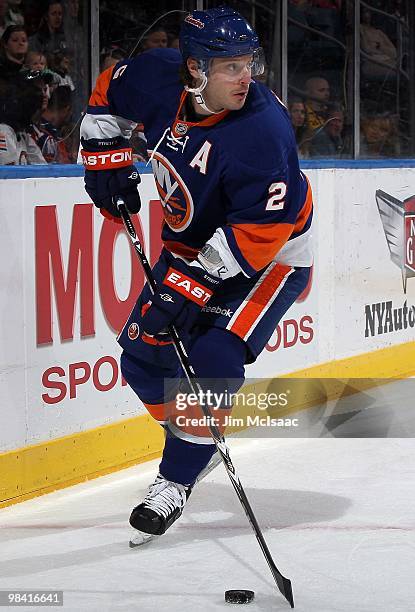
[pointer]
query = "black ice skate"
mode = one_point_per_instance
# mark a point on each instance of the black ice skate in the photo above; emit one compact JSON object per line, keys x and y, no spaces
{"x":162,"y":506}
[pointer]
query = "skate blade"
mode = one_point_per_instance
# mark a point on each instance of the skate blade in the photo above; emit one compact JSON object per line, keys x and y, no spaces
{"x":139,"y":538}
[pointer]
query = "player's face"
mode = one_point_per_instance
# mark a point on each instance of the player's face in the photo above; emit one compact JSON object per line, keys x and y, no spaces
{"x":228,"y":83}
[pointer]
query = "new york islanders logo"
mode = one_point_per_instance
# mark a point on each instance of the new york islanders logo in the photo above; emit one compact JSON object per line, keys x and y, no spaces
{"x":398,"y":220}
{"x":133,"y":331}
{"x":174,"y":195}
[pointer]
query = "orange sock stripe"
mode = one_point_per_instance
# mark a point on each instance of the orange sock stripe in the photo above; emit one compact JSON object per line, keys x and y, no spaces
{"x":161,"y":412}
{"x":192,"y":421}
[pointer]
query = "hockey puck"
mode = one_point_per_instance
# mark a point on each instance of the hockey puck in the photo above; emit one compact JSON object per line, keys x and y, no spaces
{"x":239,"y":596}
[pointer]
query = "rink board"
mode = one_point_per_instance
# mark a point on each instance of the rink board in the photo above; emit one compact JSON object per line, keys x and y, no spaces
{"x":69,"y":280}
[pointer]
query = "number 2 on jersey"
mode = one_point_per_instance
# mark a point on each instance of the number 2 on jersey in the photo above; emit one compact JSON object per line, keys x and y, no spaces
{"x":277,"y":193}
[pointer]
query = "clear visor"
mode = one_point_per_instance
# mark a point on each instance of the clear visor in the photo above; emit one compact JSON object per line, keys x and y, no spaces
{"x":236,"y":67}
{"x":258,"y":62}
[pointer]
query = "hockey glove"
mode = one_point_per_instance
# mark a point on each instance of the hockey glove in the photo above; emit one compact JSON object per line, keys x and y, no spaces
{"x":109,"y":172}
{"x":181,"y":296}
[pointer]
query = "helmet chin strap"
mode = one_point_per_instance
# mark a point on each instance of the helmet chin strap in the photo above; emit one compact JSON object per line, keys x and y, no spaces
{"x":197,"y":92}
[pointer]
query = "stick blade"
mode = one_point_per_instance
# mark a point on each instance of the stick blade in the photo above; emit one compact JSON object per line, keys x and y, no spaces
{"x":285,"y":587}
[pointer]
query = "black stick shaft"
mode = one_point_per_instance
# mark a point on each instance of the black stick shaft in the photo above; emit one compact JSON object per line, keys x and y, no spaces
{"x":284,"y":584}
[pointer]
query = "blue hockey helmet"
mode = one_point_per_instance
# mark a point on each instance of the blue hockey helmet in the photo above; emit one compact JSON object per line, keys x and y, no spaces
{"x":219,"y":32}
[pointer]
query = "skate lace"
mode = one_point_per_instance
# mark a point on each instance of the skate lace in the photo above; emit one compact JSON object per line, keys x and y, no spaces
{"x":164,"y":497}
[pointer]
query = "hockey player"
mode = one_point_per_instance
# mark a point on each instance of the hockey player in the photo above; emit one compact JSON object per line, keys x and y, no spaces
{"x":236,"y":234}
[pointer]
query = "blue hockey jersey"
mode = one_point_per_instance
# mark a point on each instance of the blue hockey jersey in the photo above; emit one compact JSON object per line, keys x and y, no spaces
{"x":231,"y":180}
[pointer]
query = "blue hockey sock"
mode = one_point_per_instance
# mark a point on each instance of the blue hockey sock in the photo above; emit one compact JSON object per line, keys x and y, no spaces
{"x":183,"y":461}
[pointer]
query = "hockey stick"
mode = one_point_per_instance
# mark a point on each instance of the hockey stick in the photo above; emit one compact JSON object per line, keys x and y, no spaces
{"x":284,"y":584}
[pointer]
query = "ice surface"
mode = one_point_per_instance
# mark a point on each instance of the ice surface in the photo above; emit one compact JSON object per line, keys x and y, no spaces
{"x":337,"y":514}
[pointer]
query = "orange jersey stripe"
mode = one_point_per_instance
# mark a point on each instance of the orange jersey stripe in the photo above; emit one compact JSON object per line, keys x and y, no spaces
{"x":305,"y":211}
{"x":259,"y":300}
{"x":99,"y":95}
{"x":269,"y":237}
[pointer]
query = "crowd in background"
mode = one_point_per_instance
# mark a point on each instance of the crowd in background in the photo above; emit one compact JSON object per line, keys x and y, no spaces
{"x":321,"y":130}
{"x":44,"y":58}
{"x":320,"y":39}
{"x":43,"y":80}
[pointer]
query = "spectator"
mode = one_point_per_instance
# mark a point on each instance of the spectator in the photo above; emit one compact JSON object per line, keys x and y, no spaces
{"x":110,"y":57}
{"x":14,"y":14}
{"x":376,"y":44}
{"x":13,"y":49}
{"x":296,"y":108}
{"x":297,"y":36}
{"x":325,"y":16}
{"x":75,"y":22}
{"x":335,"y":5}
{"x":378,"y":136}
{"x":174,"y":42}
{"x":60,"y":64}
{"x":399,"y":9}
{"x":42,"y":80}
{"x":72,"y":23}
{"x":155,"y":39}
{"x":328,"y":141}
{"x":35,"y":60}
{"x":302,"y":5}
{"x":3,"y":19}
{"x":71,"y":19}
{"x":317,"y":92}
{"x":50,"y":36}
{"x":20,"y":100}
{"x":47,"y":132}
{"x":70,"y":135}
{"x":32,"y":15}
